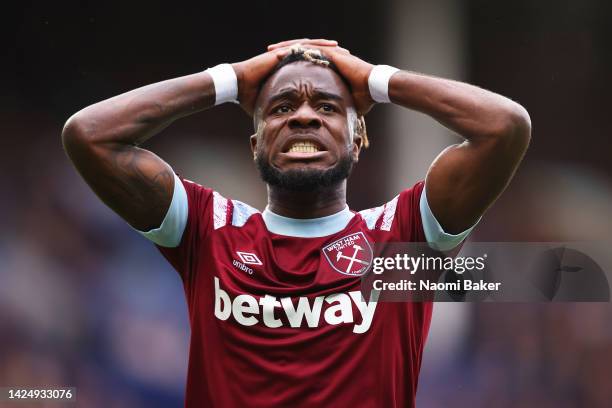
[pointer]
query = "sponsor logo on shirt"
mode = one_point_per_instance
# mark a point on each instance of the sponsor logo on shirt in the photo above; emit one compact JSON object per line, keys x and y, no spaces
{"x":274,"y":312}
{"x":350,"y":255}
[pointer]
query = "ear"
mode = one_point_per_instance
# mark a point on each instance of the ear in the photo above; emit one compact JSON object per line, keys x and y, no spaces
{"x":360,"y":138}
{"x":253,"y":139}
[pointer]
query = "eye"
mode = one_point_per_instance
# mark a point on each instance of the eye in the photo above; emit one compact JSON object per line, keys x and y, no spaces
{"x":327,"y":107}
{"x":282,"y":109}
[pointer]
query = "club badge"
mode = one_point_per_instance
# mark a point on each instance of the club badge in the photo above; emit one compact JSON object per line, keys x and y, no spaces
{"x":350,"y":255}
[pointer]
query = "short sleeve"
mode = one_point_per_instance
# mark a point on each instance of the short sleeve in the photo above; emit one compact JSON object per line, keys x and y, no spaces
{"x":170,"y":232}
{"x":437,"y":238}
{"x":200,"y":214}
{"x":408,"y":214}
{"x":417,"y":223}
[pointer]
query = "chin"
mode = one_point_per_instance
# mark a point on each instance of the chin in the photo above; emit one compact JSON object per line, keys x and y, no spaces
{"x":304,"y":167}
{"x":304,"y":176}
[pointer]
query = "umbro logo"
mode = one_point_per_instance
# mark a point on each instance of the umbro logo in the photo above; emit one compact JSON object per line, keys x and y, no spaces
{"x":249,"y":258}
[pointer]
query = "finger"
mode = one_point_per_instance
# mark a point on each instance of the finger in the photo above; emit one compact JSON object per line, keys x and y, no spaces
{"x":344,"y":50}
{"x":323,"y":41}
{"x":329,"y":50}
{"x":305,"y":41}
{"x":285,"y":43}
{"x":318,"y":41}
{"x":282,"y":52}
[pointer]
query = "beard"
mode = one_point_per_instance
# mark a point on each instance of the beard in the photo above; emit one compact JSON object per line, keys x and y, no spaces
{"x":304,"y":180}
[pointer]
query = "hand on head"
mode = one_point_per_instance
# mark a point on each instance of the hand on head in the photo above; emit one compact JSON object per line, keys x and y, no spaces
{"x":355,"y":71}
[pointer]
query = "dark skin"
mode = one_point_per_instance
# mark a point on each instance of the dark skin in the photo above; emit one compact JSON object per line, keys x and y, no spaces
{"x":103,"y":139}
{"x":303,"y":102}
{"x":465,"y":179}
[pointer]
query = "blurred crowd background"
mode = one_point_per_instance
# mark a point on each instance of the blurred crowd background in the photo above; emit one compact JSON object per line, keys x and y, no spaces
{"x":86,"y":302}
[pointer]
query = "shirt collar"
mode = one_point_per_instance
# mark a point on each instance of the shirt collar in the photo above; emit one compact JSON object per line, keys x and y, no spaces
{"x":309,"y":227}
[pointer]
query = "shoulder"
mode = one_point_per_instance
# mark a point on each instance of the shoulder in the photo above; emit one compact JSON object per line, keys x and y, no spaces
{"x":227,"y":211}
{"x":401,"y":214}
{"x":222,"y":211}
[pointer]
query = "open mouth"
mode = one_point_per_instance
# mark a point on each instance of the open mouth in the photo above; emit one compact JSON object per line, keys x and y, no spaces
{"x":303,"y":147}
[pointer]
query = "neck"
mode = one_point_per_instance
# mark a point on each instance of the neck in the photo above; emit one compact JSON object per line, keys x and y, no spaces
{"x":307,"y":204}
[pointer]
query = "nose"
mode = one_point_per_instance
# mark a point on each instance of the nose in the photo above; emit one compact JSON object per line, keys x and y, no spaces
{"x":304,"y":117}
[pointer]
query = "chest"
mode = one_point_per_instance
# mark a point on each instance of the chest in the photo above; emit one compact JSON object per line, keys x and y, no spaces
{"x":269,"y":281}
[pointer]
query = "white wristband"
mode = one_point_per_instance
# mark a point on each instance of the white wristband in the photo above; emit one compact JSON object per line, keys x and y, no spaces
{"x":226,"y":83}
{"x":378,"y":82}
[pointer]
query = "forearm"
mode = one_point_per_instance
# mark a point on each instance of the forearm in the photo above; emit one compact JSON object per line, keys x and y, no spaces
{"x":472,"y":112}
{"x":135,"y":116}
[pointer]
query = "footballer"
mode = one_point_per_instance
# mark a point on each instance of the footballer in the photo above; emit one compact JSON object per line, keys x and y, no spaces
{"x":276,"y":313}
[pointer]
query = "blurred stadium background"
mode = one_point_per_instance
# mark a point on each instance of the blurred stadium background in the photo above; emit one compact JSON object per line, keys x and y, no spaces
{"x":85,"y":301}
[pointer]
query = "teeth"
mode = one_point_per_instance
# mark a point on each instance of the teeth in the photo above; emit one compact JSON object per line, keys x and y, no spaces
{"x":303,"y":147}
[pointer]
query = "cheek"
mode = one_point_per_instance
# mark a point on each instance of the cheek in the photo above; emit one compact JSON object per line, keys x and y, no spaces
{"x":341,"y":131}
{"x":272,"y":130}
{"x":264,"y":146}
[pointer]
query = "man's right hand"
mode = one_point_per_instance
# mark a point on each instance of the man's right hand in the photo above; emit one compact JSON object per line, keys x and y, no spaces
{"x":251,"y":72}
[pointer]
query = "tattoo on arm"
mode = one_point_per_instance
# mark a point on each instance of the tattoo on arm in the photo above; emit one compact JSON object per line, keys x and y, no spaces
{"x":140,"y":180}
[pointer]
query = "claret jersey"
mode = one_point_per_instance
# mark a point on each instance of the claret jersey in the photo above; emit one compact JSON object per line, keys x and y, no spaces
{"x":279,"y":320}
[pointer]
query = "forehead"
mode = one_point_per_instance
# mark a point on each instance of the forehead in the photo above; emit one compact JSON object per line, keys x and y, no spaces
{"x":304,"y":76}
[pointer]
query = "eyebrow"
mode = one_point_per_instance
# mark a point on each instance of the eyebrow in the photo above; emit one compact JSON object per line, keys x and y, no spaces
{"x":292,"y":93}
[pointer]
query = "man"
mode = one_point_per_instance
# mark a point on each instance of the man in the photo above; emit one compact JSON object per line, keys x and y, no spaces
{"x":276,"y":314}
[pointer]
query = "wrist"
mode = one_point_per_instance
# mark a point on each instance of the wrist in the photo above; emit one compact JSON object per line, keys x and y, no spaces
{"x":378,"y":82}
{"x":225,"y":81}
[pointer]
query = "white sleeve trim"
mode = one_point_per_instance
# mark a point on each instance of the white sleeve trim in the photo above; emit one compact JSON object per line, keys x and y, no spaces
{"x":171,"y":230}
{"x":436,"y":237}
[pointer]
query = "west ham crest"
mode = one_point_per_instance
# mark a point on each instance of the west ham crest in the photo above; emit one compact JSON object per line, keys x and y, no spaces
{"x":350,"y":255}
